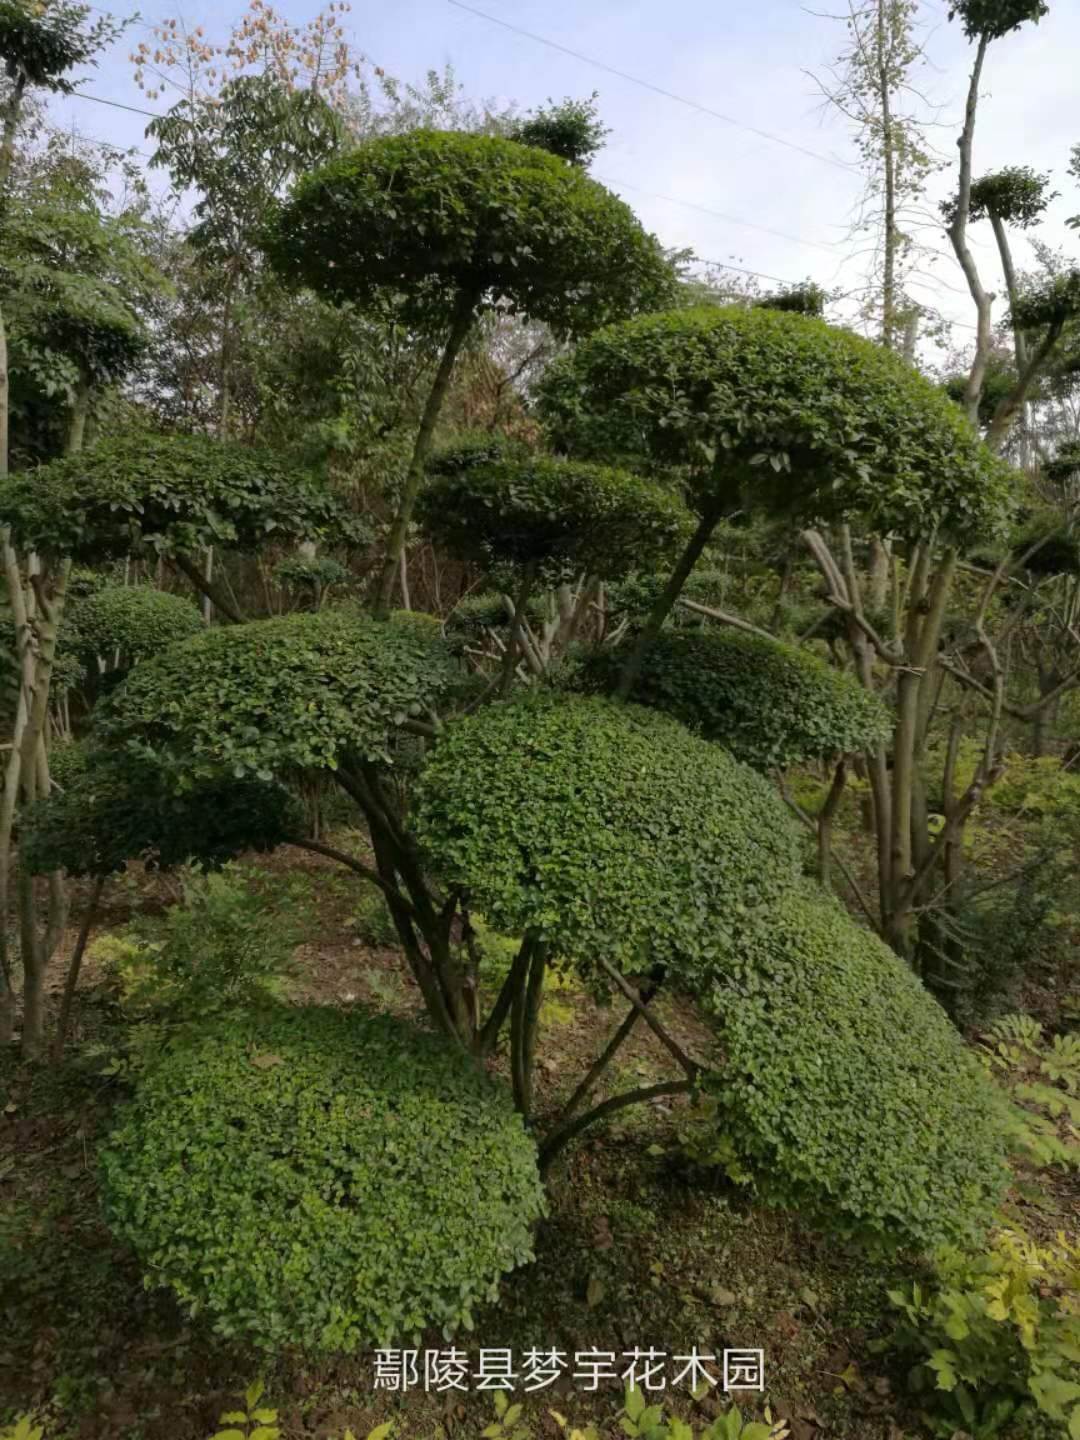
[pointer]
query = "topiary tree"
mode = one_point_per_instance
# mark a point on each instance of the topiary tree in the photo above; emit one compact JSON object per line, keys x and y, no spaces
{"x":109,"y":807}
{"x":575,"y":823}
{"x":572,"y":130}
{"x":552,"y":519}
{"x":454,"y":224}
{"x":132,"y":621}
{"x":323,"y":1177}
{"x":770,"y":704}
{"x":777,"y":409}
{"x":815,"y":1103}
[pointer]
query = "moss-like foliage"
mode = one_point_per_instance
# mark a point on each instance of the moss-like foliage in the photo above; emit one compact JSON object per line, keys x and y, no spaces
{"x":782,"y":411}
{"x":176,"y":493}
{"x":111,"y":807}
{"x":605,"y":829}
{"x":435,"y":215}
{"x":323,"y":1178}
{"x":136,"y":620}
{"x":300,"y":691}
{"x":557,"y":515}
{"x":844,"y":1090}
{"x":769,"y":703}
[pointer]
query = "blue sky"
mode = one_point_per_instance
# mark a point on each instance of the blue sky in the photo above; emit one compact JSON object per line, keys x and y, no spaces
{"x":745,"y":58}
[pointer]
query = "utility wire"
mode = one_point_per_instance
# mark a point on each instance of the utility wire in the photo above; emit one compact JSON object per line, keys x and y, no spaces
{"x":658,"y":89}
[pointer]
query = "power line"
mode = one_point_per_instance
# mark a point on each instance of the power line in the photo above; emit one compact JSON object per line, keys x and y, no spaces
{"x":718,"y":214}
{"x":658,"y":89}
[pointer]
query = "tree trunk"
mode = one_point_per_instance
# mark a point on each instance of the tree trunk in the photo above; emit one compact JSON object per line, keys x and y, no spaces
{"x":460,"y":326}
{"x":958,"y":235}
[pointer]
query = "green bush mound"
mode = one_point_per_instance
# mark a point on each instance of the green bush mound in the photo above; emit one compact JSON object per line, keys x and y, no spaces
{"x":845,"y":1091}
{"x":112,"y":806}
{"x":779,"y":410}
{"x":137,"y":620}
{"x":607,"y":830}
{"x":323,"y":1178}
{"x":769,"y":703}
{"x":437,"y":215}
{"x":559,"y":515}
{"x":302,"y":691}
{"x":175,"y":493}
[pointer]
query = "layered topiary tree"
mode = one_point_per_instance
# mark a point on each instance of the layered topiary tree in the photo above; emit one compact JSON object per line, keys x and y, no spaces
{"x":550,"y":520}
{"x":818,"y":1103}
{"x":323,"y":1175}
{"x":772,"y":705}
{"x":778,"y":410}
{"x":452,"y":224}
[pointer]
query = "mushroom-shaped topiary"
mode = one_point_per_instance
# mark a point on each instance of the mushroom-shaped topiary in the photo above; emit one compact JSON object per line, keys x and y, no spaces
{"x":778,"y":410}
{"x":769,"y":703}
{"x":844,"y":1090}
{"x":175,"y":493}
{"x":781,"y":410}
{"x":608,"y":832}
{"x":323,"y":1178}
{"x":303,"y":691}
{"x":552,"y":516}
{"x":110,"y":807}
{"x":451,"y":223}
{"x":135,"y":620}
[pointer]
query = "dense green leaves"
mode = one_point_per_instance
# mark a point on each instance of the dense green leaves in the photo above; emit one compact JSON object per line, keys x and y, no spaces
{"x":995,"y":18}
{"x":323,"y":1178}
{"x":176,"y":493}
{"x":769,"y":703}
{"x":40,"y":43}
{"x":556,"y":514}
{"x":1017,"y":195}
{"x":607,"y":830}
{"x":780,"y":410}
{"x":436,"y":215}
{"x":135,"y":620}
{"x":302,"y":691}
{"x":845,"y":1090}
{"x":111,"y":807}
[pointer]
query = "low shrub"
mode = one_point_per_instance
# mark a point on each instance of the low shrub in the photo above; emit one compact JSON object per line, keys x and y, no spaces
{"x":135,"y":620}
{"x":322,"y":1178}
{"x":605,"y":829}
{"x":994,"y":1338}
{"x":769,"y":703}
{"x":845,"y":1091}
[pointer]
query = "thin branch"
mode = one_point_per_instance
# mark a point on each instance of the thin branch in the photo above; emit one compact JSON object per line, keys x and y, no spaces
{"x":356,"y":866}
{"x":735,"y":621}
{"x":558,"y":1140}
{"x":673,"y":1048}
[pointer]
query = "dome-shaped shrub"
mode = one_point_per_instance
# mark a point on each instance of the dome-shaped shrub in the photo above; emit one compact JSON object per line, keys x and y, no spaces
{"x":301,"y":691}
{"x":110,"y":807}
{"x":137,"y":620}
{"x":323,"y":1178}
{"x":769,"y":703}
{"x":435,"y":216}
{"x":843,"y":1088}
{"x":779,"y":410}
{"x":173,"y":492}
{"x":555,"y":514}
{"x":605,"y":829}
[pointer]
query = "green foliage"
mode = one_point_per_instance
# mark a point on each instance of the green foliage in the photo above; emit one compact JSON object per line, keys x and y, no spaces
{"x":995,"y":18}
{"x":844,"y":1090}
{"x":436,"y":215}
{"x":607,"y":830}
{"x":560,"y":515}
{"x":41,"y":43}
{"x":175,"y":493}
{"x":135,"y":620}
{"x":305,"y":691}
{"x":259,"y":1422}
{"x":1017,"y":195}
{"x":807,"y":299}
{"x":224,"y":947}
{"x":310,"y":572}
{"x":572,"y":130}
{"x":995,"y":1336}
{"x":769,"y":703}
{"x":779,"y":410}
{"x":113,"y":806}
{"x":1043,"y":1078}
{"x":1048,"y":303}
{"x":642,"y":1421}
{"x":323,"y":1178}
{"x":372,"y":922}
